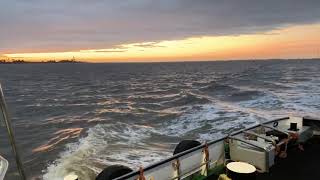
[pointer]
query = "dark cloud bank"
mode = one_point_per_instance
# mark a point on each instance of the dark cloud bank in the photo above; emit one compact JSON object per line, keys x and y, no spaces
{"x":57,"y":25}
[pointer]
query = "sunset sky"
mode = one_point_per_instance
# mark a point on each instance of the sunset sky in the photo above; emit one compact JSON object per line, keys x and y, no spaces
{"x":166,"y":30}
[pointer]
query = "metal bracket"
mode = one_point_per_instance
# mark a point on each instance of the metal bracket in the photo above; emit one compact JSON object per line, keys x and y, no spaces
{"x":262,"y":137}
{"x":276,"y":129}
{"x":205,"y":160}
{"x":176,"y":169}
{"x":141,"y":174}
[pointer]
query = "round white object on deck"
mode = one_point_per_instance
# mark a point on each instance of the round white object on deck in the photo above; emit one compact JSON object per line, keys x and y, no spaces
{"x":71,"y":177}
{"x":241,"y":167}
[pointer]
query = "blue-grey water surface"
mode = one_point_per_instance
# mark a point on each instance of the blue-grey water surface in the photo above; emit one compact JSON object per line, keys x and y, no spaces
{"x":83,"y":117}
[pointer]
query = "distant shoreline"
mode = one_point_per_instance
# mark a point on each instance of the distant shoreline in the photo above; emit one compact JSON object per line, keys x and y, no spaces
{"x":39,"y":62}
{"x":138,"y":62}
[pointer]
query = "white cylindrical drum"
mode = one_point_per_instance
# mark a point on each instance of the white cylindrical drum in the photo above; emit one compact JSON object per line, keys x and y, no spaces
{"x":241,"y":171}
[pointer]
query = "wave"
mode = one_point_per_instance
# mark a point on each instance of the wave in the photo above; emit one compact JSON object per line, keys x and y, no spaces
{"x":217,"y":88}
{"x":142,"y":144}
{"x":245,"y":95}
{"x":60,"y":136}
{"x":106,"y":144}
{"x":152,"y":98}
{"x":210,"y":121}
{"x":186,"y":98}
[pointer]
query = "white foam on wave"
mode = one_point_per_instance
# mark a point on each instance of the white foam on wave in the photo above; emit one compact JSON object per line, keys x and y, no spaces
{"x":297,"y":98}
{"x":76,"y":157}
{"x":302,"y":99}
{"x":105,"y":144}
{"x":269,"y":102}
{"x":134,"y":157}
{"x":209,"y":121}
{"x":189,"y":121}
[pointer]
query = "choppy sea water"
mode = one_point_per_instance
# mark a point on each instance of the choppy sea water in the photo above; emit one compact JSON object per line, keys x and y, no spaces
{"x":84,"y":117}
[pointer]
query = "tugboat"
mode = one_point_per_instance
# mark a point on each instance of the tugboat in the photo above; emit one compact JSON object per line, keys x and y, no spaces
{"x":283,"y":148}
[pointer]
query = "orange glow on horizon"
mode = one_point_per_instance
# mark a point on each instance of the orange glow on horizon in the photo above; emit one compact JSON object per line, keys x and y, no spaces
{"x":290,"y":42}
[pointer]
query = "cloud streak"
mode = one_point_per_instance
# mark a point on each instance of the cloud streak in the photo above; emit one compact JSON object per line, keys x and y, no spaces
{"x":67,"y":25}
{"x":109,"y":51}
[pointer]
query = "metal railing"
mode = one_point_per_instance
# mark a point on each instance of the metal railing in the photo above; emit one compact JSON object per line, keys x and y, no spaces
{"x":184,"y":153}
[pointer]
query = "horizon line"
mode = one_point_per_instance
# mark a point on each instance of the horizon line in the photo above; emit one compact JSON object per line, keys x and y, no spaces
{"x":155,"y":61}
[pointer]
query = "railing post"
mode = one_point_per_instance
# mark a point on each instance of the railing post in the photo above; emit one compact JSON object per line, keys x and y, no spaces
{"x":205,"y":161}
{"x":141,"y":174}
{"x":5,"y":114}
{"x":176,"y":170}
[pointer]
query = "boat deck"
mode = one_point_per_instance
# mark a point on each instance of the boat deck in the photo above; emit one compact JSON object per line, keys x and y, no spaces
{"x":299,"y":165}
